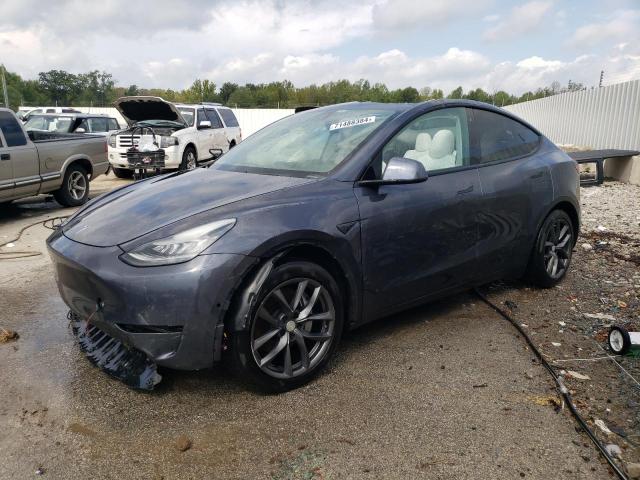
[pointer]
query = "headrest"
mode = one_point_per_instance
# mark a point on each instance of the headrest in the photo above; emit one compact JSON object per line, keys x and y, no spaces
{"x":423,"y":141}
{"x":442,"y":144}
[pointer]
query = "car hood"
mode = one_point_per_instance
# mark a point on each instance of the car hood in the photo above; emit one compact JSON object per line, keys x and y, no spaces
{"x":137,"y":209}
{"x":140,"y":108}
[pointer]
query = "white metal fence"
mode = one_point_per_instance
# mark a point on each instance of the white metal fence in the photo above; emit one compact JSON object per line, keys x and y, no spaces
{"x":250,"y":119}
{"x":606,"y":117}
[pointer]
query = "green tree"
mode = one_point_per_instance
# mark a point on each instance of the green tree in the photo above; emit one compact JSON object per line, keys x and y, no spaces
{"x":226,"y":91}
{"x":456,"y":93}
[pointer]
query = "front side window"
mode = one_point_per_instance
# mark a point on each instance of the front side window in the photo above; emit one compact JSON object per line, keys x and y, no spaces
{"x":439,"y":140}
{"x":495,"y":137}
{"x":113,"y":124}
{"x":12,"y":132}
{"x":98,"y":125}
{"x":313,"y":142}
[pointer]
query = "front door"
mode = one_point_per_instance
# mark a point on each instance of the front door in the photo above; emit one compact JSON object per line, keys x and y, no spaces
{"x":22,"y":156}
{"x":6,"y":171}
{"x":419,"y":240}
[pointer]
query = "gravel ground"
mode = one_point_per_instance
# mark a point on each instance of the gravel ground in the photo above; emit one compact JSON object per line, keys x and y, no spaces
{"x":446,"y":390}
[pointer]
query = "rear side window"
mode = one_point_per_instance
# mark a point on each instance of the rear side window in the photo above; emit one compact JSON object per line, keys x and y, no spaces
{"x":213,"y":118}
{"x":11,"y":130}
{"x":229,"y":118}
{"x":495,"y":137}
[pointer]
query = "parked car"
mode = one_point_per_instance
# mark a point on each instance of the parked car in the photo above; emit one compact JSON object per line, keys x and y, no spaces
{"x":163,"y":135}
{"x":39,"y":110}
{"x":324,"y":220}
{"x":73,"y":123}
{"x":36,"y":162}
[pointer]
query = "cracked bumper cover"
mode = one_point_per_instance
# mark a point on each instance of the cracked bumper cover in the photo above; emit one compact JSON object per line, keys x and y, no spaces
{"x":173,"y":314}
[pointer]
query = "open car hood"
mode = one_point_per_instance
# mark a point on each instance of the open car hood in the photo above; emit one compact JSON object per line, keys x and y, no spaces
{"x":140,"y":108}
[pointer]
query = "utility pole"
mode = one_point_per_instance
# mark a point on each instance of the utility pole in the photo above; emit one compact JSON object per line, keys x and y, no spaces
{"x":4,"y":88}
{"x":601,"y":78}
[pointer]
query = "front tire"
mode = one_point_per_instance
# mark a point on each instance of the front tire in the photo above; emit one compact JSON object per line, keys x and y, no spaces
{"x":551,"y":255}
{"x":75,"y":187}
{"x":295,"y":327}
{"x":189,"y":159}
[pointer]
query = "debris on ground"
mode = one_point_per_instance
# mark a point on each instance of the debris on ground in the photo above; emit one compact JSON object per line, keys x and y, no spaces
{"x":8,"y":335}
{"x":577,"y":375}
{"x":183,"y":443}
{"x":633,"y":471}
{"x":601,"y":425}
{"x":613,"y":450}
{"x":39,"y":471}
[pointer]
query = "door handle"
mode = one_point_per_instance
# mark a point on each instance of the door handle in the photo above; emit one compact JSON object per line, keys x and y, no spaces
{"x":464,"y":191}
{"x":5,"y":156}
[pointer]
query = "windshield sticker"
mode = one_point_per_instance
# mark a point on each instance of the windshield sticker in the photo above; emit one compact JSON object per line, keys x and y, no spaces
{"x":352,"y":123}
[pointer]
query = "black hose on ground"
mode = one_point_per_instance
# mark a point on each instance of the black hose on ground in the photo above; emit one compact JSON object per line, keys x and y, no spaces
{"x":561,"y":387}
{"x":49,"y":223}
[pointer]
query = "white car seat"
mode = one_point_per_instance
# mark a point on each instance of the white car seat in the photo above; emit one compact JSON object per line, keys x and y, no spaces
{"x":423,"y":142}
{"x":442,"y":153}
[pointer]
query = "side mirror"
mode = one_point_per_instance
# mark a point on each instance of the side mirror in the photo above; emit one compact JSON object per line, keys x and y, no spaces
{"x":399,"y":171}
{"x":80,"y":130}
{"x":204,"y":124}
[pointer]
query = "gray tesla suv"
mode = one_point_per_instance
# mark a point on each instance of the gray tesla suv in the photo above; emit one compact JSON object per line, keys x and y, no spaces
{"x":318,"y":223}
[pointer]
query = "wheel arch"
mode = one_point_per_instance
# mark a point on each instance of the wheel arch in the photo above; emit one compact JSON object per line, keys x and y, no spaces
{"x":81,"y":160}
{"x":244,"y":293}
{"x":567,"y":206}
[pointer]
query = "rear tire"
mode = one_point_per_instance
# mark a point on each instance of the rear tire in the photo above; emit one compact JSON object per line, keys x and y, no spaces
{"x":75,"y":187}
{"x":122,"y":172}
{"x":551,"y":255}
{"x":280,"y":350}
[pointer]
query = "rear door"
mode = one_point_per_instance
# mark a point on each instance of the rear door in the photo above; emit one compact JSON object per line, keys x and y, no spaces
{"x":513,"y":181}
{"x":418,"y":240}
{"x":219,"y":138}
{"x":22,"y":155}
{"x":231,"y":124}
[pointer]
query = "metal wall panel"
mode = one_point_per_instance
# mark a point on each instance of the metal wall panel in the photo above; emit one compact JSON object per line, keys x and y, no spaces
{"x":606,"y":117}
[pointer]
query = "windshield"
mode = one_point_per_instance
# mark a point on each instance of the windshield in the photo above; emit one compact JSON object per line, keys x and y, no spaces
{"x":187,"y":114}
{"x":312,"y":142}
{"x":49,"y":124}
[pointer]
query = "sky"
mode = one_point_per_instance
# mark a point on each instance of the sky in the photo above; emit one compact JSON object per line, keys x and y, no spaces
{"x":492,"y":44}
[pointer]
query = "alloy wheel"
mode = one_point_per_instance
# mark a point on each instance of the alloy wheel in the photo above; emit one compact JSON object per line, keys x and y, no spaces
{"x":557,"y":248}
{"x":77,"y":185}
{"x":293,"y":328}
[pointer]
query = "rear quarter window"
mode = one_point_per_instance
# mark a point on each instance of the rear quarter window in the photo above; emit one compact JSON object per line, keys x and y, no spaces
{"x":11,"y":130}
{"x":228,"y":116}
{"x":495,"y":137}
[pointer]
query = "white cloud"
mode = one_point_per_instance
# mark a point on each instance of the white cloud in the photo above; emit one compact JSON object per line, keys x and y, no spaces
{"x":621,"y":26}
{"x":521,"y":19}
{"x":400,"y":14}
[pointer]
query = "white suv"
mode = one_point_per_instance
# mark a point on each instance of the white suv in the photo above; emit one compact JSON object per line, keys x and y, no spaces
{"x":163,"y":135}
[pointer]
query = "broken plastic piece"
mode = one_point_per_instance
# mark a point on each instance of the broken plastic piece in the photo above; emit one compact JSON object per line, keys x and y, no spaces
{"x":128,"y":365}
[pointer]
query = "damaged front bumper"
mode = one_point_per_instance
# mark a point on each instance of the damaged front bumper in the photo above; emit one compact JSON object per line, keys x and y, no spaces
{"x":173,"y":315}
{"x":129,"y":365}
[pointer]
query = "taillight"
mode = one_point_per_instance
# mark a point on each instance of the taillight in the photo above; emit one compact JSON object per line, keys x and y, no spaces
{"x":106,"y":147}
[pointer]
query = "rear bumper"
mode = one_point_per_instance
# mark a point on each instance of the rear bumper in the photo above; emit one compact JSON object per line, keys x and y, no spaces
{"x":174,"y":314}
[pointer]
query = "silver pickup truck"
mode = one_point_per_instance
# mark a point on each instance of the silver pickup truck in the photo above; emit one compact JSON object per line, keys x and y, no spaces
{"x":34,"y":162}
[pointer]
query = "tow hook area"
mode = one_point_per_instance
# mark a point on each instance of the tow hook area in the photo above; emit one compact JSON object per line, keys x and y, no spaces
{"x":128,"y":365}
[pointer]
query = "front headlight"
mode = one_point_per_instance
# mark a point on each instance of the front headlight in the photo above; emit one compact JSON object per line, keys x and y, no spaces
{"x":178,"y":248}
{"x":168,"y":142}
{"x":112,"y":141}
